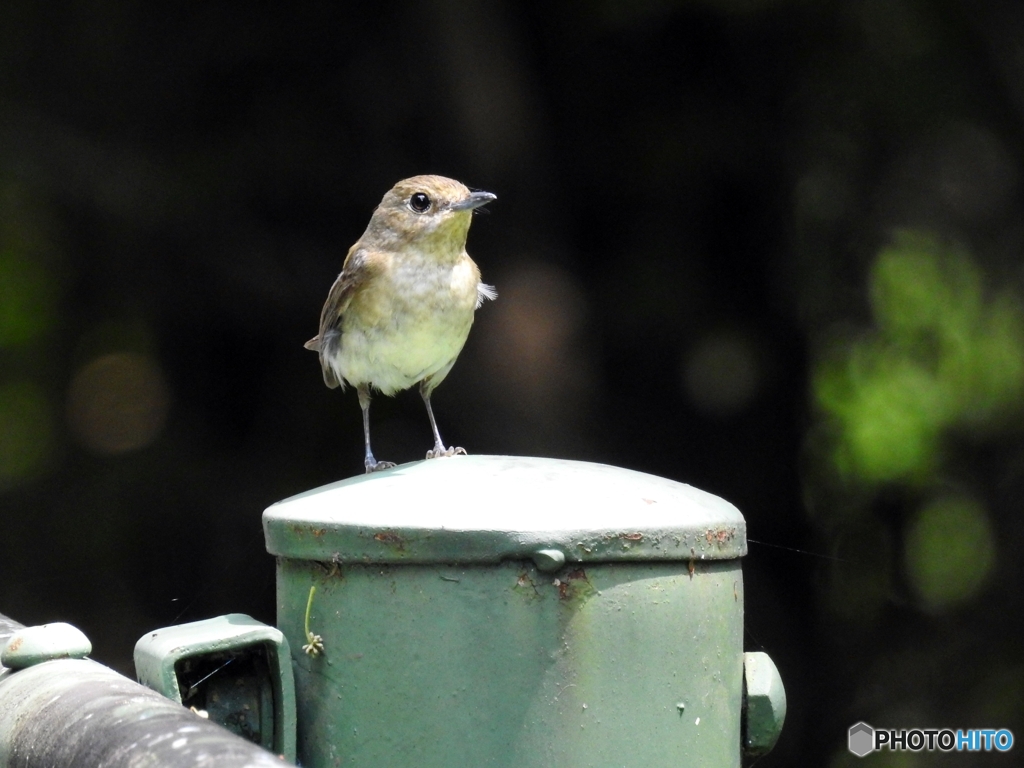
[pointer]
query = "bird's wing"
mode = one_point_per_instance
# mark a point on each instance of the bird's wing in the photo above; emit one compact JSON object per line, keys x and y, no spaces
{"x":340,"y":295}
{"x":326,"y":342}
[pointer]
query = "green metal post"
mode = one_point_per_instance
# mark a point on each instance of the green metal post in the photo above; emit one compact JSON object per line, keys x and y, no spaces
{"x":493,"y":611}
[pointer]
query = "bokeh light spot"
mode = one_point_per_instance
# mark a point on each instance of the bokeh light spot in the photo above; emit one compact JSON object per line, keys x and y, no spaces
{"x":721,"y":373}
{"x":942,"y":357}
{"x":889,"y":411}
{"x":25,"y":432}
{"x":26,"y":300}
{"x":950,"y":551}
{"x":927,"y":297}
{"x":537,"y":321}
{"x":118,"y":403}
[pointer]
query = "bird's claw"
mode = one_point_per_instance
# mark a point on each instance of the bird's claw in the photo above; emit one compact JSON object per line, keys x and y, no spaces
{"x":439,"y":451}
{"x":377,"y":466}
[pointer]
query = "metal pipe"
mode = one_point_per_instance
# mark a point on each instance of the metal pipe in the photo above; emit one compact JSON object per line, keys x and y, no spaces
{"x":8,"y":627}
{"x":76,"y":712}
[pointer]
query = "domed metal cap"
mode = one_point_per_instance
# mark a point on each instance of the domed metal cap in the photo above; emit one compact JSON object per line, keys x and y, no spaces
{"x":484,"y":509}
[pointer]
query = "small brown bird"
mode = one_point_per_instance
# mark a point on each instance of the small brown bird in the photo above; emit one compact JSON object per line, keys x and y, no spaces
{"x":401,"y":309}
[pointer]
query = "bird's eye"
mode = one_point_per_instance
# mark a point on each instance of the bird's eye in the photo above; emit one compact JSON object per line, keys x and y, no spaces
{"x":419,"y":202}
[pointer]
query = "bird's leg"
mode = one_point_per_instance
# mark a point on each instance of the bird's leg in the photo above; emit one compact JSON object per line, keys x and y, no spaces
{"x":438,"y":450}
{"x":371,"y":464}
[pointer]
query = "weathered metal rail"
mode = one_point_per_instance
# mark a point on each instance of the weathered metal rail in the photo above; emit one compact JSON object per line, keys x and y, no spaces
{"x":76,"y":713}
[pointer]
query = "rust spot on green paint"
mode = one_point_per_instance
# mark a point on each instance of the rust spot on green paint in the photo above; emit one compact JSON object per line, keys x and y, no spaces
{"x":525,"y":585}
{"x":720,"y":536}
{"x":391,"y":539}
{"x":574,"y":586}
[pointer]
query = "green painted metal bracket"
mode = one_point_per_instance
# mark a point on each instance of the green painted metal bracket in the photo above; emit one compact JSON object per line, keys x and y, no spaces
{"x":232,"y":669}
{"x":29,"y":646}
{"x":764,"y":703}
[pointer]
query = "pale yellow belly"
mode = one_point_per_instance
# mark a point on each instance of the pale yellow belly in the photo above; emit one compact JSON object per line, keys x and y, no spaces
{"x":392,"y":358}
{"x":412,"y":328}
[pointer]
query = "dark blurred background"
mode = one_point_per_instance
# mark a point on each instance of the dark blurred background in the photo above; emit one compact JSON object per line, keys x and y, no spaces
{"x":770,"y":248}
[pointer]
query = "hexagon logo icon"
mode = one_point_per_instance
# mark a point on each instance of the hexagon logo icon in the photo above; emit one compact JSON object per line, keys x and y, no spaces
{"x":861,"y":739}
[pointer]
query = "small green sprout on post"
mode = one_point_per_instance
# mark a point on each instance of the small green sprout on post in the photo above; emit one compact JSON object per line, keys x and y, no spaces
{"x":315,"y":646}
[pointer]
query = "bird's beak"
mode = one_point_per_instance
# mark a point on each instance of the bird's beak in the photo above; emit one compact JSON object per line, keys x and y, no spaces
{"x":475,"y":200}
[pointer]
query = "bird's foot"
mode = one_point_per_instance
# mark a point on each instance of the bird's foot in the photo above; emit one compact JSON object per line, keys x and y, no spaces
{"x":372,"y":465}
{"x":439,"y":451}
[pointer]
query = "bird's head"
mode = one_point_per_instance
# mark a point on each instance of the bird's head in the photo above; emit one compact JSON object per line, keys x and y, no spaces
{"x":427,"y":211}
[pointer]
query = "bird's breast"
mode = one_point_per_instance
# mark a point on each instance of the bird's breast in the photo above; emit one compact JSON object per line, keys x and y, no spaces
{"x":408,"y":325}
